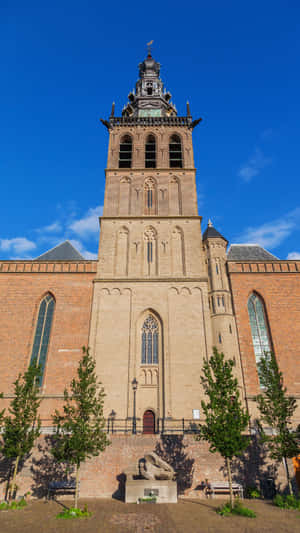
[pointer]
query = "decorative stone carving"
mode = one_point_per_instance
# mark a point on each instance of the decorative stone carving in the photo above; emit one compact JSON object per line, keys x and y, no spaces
{"x":153,"y":467}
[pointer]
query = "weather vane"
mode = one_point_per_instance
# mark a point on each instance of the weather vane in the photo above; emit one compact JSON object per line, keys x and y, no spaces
{"x":149,"y":47}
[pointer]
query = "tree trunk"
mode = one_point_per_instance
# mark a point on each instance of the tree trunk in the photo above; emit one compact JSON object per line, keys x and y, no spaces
{"x":76,"y":488}
{"x":230,"y":481}
{"x":13,"y":484}
{"x":288,"y":475}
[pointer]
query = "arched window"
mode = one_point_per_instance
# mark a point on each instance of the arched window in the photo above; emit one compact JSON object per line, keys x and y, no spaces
{"x":259,"y":326}
{"x":42,"y":333}
{"x":175,"y":152}
{"x":150,"y":152}
{"x":150,"y":197}
{"x":125,"y":155}
{"x":150,"y":341}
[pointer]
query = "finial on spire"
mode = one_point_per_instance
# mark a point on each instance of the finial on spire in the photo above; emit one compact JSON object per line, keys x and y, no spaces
{"x":112,"y":114}
{"x":149,"y":48}
{"x":188,"y":110}
{"x":209,"y":224}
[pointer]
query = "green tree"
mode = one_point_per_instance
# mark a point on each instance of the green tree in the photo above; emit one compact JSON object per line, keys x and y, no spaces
{"x":22,"y":427}
{"x":80,"y":429}
{"x":276,"y":412}
{"x":225,"y":418}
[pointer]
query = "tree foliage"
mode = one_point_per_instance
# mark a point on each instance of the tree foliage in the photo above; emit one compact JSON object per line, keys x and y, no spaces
{"x":225,"y":418}
{"x":80,"y":429}
{"x":276,"y":412}
{"x":22,"y":426}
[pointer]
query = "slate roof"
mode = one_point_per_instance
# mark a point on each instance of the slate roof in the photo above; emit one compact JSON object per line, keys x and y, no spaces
{"x":249,"y":252}
{"x":64,"y":251}
{"x":212,"y":233}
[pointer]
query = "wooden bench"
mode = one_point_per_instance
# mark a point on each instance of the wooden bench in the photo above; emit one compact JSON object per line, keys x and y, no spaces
{"x":65,"y":486}
{"x":223,"y":487}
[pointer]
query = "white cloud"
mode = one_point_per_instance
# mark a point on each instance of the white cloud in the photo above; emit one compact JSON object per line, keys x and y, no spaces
{"x":81,"y":249}
{"x":293,"y":255}
{"x":271,"y":234}
{"x":254,"y":165}
{"x":18,"y":245}
{"x":88,"y":224}
{"x":55,"y":227}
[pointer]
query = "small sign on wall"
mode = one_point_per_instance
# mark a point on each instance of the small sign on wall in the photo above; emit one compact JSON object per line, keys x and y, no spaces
{"x":196,"y":414}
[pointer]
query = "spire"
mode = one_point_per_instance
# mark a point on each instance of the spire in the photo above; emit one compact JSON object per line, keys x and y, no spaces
{"x":150,"y":99}
{"x":149,"y":48}
{"x":212,"y":233}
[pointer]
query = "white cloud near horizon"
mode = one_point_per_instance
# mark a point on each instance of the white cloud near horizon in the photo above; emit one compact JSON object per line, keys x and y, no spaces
{"x":255,"y":164}
{"x":17,"y":245}
{"x":271,"y":234}
{"x":293,"y":255}
{"x":87,"y":225}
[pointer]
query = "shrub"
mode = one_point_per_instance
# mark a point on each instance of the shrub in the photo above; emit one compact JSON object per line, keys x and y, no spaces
{"x":253,"y":493}
{"x":4,"y":506}
{"x":286,"y":502}
{"x":74,"y":512}
{"x":237,"y":509}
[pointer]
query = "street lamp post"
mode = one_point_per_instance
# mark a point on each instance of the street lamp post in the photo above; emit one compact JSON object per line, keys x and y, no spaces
{"x":134,"y":384}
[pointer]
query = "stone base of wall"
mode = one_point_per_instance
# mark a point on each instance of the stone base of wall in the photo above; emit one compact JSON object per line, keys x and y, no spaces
{"x":102,"y":476}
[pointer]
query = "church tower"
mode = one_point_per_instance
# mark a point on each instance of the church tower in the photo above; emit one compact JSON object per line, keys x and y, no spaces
{"x":150,"y":315}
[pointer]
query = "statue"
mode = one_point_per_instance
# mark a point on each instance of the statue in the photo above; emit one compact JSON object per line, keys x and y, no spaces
{"x":151,"y":466}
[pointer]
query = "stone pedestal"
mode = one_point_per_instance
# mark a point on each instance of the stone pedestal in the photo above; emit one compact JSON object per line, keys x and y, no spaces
{"x":164,"y":490}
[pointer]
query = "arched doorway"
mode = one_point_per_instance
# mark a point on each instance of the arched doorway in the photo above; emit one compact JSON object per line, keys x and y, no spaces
{"x":148,"y":422}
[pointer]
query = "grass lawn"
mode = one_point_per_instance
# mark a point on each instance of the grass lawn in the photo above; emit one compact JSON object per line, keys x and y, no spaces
{"x":188,"y":516}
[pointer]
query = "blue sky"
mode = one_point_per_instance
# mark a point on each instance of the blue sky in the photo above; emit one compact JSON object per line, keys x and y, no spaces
{"x":62,"y":65}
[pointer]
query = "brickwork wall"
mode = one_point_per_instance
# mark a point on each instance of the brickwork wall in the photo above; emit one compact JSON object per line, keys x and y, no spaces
{"x":102,"y":476}
{"x":278,"y":283}
{"x":22,"y":286}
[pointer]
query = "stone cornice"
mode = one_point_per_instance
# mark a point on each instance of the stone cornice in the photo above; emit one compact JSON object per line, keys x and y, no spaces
{"x":147,"y":280}
{"x":151,"y":171}
{"x":152,"y":217}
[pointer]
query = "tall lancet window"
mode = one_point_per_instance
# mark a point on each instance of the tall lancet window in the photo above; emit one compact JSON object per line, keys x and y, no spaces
{"x":150,"y":152}
{"x":259,"y":327}
{"x":150,"y":341}
{"x":125,"y":154}
{"x":175,"y":152}
{"x":42,"y":333}
{"x":150,"y":197}
{"x":150,"y":251}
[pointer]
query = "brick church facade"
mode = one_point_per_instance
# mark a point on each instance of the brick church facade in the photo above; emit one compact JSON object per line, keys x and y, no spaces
{"x":160,"y":295}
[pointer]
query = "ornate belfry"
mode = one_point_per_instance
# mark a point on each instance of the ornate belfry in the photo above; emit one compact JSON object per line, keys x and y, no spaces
{"x":151,"y":320}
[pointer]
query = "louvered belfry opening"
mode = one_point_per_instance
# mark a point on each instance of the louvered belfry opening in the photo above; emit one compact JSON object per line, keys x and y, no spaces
{"x":125,"y":155}
{"x":149,"y":422}
{"x":150,"y":152}
{"x":175,"y":152}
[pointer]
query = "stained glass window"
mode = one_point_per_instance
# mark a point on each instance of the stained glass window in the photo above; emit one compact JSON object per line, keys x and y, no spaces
{"x":42,"y":333}
{"x":259,"y":327}
{"x":150,"y":341}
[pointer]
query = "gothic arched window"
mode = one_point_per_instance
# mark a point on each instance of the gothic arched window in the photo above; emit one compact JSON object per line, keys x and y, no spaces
{"x":42,"y":333}
{"x":150,"y":196}
{"x":125,"y":154}
{"x":175,"y":152}
{"x":150,"y":341}
{"x":150,"y":152}
{"x":259,"y":326}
